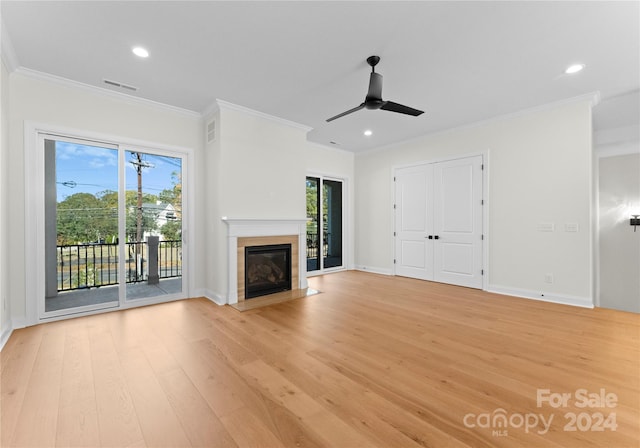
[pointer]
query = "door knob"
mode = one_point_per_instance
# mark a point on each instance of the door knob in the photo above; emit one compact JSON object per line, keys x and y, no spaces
{"x":430,"y":237}
{"x":437,"y":237}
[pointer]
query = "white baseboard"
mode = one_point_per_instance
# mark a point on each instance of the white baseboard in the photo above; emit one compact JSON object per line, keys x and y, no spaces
{"x":583,"y":302}
{"x":373,"y":269}
{"x":7,"y":329}
{"x":218,"y":299}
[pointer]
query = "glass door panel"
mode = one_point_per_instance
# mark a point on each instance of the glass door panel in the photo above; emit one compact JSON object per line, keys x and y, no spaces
{"x":324,"y":228}
{"x":313,"y":214}
{"x":332,"y":223}
{"x":81,"y":226}
{"x":153,"y":208}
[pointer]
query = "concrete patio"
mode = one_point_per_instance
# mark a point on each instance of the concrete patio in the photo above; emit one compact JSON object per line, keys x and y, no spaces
{"x":106,"y":294}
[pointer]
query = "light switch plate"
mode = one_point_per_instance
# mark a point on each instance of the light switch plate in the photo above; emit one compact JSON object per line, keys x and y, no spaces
{"x":571,"y":227}
{"x":546,"y":227}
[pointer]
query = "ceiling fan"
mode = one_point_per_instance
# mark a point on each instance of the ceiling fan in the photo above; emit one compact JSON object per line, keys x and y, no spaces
{"x":374,"y":99}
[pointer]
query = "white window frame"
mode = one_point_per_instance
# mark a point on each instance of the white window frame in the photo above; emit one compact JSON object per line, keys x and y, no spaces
{"x":34,"y":214}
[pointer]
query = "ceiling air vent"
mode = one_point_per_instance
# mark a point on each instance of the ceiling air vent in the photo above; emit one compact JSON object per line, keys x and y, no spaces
{"x":211,"y":131}
{"x":119,"y":85}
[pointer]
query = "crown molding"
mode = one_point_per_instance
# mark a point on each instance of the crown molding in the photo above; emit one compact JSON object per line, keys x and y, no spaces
{"x":330,"y":148}
{"x":7,"y":51}
{"x":41,"y":76}
{"x":617,"y":135}
{"x":620,"y":149}
{"x":230,"y":106}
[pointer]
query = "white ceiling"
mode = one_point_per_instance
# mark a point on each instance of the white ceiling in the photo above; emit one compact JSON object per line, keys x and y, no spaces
{"x":461,"y":62}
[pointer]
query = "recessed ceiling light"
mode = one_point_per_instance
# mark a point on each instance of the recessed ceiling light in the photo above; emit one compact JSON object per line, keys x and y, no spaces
{"x":574,"y":68}
{"x":368,"y":133}
{"x":141,"y":52}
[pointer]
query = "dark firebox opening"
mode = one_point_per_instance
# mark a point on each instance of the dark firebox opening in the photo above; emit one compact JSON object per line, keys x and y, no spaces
{"x":267,"y":269}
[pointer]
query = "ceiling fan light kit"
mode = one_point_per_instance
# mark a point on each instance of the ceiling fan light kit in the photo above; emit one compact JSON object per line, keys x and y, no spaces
{"x":374,"y":100}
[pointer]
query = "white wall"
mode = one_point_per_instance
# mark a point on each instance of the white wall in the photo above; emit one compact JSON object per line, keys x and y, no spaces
{"x":262,"y":167}
{"x":256,"y":169}
{"x":619,"y":197}
{"x":51,"y":103}
{"x":5,"y":324}
{"x":539,"y":169}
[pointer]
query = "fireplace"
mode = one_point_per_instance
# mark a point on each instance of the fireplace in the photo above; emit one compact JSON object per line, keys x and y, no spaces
{"x":267,"y":269}
{"x":264,"y":232}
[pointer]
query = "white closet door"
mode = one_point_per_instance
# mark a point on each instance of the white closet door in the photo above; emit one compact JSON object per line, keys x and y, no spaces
{"x":413,"y":222}
{"x":457,"y":211}
{"x":438,"y":222}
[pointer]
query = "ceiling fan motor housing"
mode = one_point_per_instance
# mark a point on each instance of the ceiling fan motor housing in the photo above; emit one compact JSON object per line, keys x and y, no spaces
{"x":373,"y":60}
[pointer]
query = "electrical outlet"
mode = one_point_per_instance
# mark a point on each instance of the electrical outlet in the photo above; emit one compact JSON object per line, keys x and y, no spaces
{"x":548,"y":278}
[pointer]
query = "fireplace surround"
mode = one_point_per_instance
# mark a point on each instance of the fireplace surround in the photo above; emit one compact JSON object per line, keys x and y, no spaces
{"x":261,"y":232}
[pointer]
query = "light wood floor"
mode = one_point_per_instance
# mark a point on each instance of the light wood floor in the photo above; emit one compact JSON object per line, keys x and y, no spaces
{"x":371,"y":361}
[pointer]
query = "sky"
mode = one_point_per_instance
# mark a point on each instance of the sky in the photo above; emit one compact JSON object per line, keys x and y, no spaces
{"x":92,"y":169}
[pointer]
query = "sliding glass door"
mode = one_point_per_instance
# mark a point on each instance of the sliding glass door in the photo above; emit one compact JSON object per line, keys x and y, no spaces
{"x":325,"y":226}
{"x":153,"y":225}
{"x":112,"y":225}
{"x":82,"y":262}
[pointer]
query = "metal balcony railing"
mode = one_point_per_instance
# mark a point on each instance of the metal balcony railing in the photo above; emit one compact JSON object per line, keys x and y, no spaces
{"x":82,"y":266}
{"x":312,"y":244}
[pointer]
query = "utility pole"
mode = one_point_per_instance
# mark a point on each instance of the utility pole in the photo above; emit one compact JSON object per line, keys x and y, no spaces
{"x":139,"y":164}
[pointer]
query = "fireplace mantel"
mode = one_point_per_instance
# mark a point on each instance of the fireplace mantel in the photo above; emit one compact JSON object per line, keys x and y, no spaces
{"x":248,"y":227}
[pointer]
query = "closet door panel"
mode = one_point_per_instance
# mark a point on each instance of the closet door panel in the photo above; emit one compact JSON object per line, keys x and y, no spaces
{"x":413,"y":222}
{"x":457,"y":210}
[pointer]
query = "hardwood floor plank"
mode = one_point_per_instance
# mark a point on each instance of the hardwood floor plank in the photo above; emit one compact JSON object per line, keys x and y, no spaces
{"x":38,"y":419}
{"x":77,"y":409}
{"x":117,"y":419}
{"x":237,"y":389}
{"x":201,"y":425}
{"x":78,"y":425}
{"x":77,"y":384}
{"x":316,"y":418}
{"x":249,"y":431}
{"x":158,"y":422}
{"x":18,"y":358}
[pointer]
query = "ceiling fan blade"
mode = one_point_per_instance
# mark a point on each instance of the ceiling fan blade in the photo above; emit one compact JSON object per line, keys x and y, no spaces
{"x":395,"y":107}
{"x":375,"y":87}
{"x":350,"y":111}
